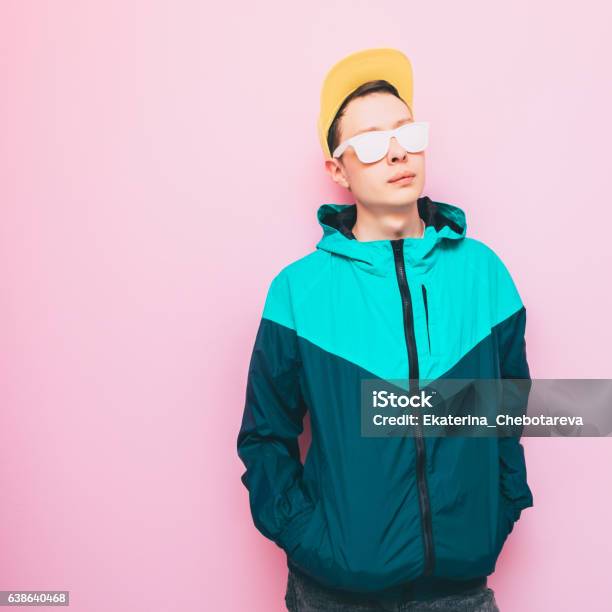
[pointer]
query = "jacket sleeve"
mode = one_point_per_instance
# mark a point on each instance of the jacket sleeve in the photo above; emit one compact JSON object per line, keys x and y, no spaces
{"x":510,"y":340}
{"x":272,"y":421}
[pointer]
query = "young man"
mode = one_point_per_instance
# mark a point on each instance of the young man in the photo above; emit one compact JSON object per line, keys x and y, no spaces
{"x":393,"y":290}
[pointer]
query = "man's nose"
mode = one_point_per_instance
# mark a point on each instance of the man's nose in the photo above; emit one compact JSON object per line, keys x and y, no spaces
{"x":396,"y":151}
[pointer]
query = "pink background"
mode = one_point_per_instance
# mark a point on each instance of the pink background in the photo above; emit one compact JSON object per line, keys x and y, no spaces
{"x":158,"y":166}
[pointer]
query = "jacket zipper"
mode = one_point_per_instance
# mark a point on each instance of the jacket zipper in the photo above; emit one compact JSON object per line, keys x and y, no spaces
{"x":413,"y":374}
{"x":426,"y":316}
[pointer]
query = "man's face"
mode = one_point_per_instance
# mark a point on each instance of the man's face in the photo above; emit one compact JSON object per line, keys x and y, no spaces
{"x":369,"y":183}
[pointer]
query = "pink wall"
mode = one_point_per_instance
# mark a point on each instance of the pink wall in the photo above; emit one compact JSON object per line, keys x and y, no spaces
{"x":158,"y":165}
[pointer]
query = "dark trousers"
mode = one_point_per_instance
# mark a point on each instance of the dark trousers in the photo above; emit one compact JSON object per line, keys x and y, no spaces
{"x":305,"y":595}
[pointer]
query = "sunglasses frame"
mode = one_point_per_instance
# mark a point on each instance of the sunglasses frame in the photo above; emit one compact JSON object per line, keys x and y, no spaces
{"x":339,"y":150}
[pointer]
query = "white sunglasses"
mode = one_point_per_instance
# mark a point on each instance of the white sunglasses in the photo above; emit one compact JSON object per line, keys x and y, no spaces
{"x":373,"y":146}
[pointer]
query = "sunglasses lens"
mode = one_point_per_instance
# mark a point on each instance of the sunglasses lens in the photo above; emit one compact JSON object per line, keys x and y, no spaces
{"x":414,"y":136}
{"x":371,"y":146}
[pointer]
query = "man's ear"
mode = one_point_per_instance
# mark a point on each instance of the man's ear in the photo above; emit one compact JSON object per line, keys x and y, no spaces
{"x":336,"y":172}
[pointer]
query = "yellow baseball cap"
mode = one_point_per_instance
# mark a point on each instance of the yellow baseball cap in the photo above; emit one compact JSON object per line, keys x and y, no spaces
{"x":354,"y":70}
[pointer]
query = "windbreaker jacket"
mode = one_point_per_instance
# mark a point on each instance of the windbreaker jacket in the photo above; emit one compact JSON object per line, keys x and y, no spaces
{"x":364,"y":513}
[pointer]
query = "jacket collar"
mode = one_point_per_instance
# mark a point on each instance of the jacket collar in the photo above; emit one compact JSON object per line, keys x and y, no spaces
{"x":443,"y":222}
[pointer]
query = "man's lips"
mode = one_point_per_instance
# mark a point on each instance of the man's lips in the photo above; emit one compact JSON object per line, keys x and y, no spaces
{"x":403,"y":179}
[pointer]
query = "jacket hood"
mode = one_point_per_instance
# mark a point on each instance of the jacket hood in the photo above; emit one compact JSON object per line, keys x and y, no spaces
{"x":443,"y":222}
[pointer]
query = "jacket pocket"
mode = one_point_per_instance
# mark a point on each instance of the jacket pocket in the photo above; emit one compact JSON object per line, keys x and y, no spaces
{"x":425,"y":305}
{"x":307,"y":545}
{"x":293,"y":532}
{"x":306,"y":539}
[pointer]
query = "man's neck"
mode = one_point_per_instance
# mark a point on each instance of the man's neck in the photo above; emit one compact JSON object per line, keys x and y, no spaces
{"x":388,"y":223}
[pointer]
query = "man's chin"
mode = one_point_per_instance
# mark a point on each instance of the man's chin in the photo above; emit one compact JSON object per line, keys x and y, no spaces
{"x":407,"y":195}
